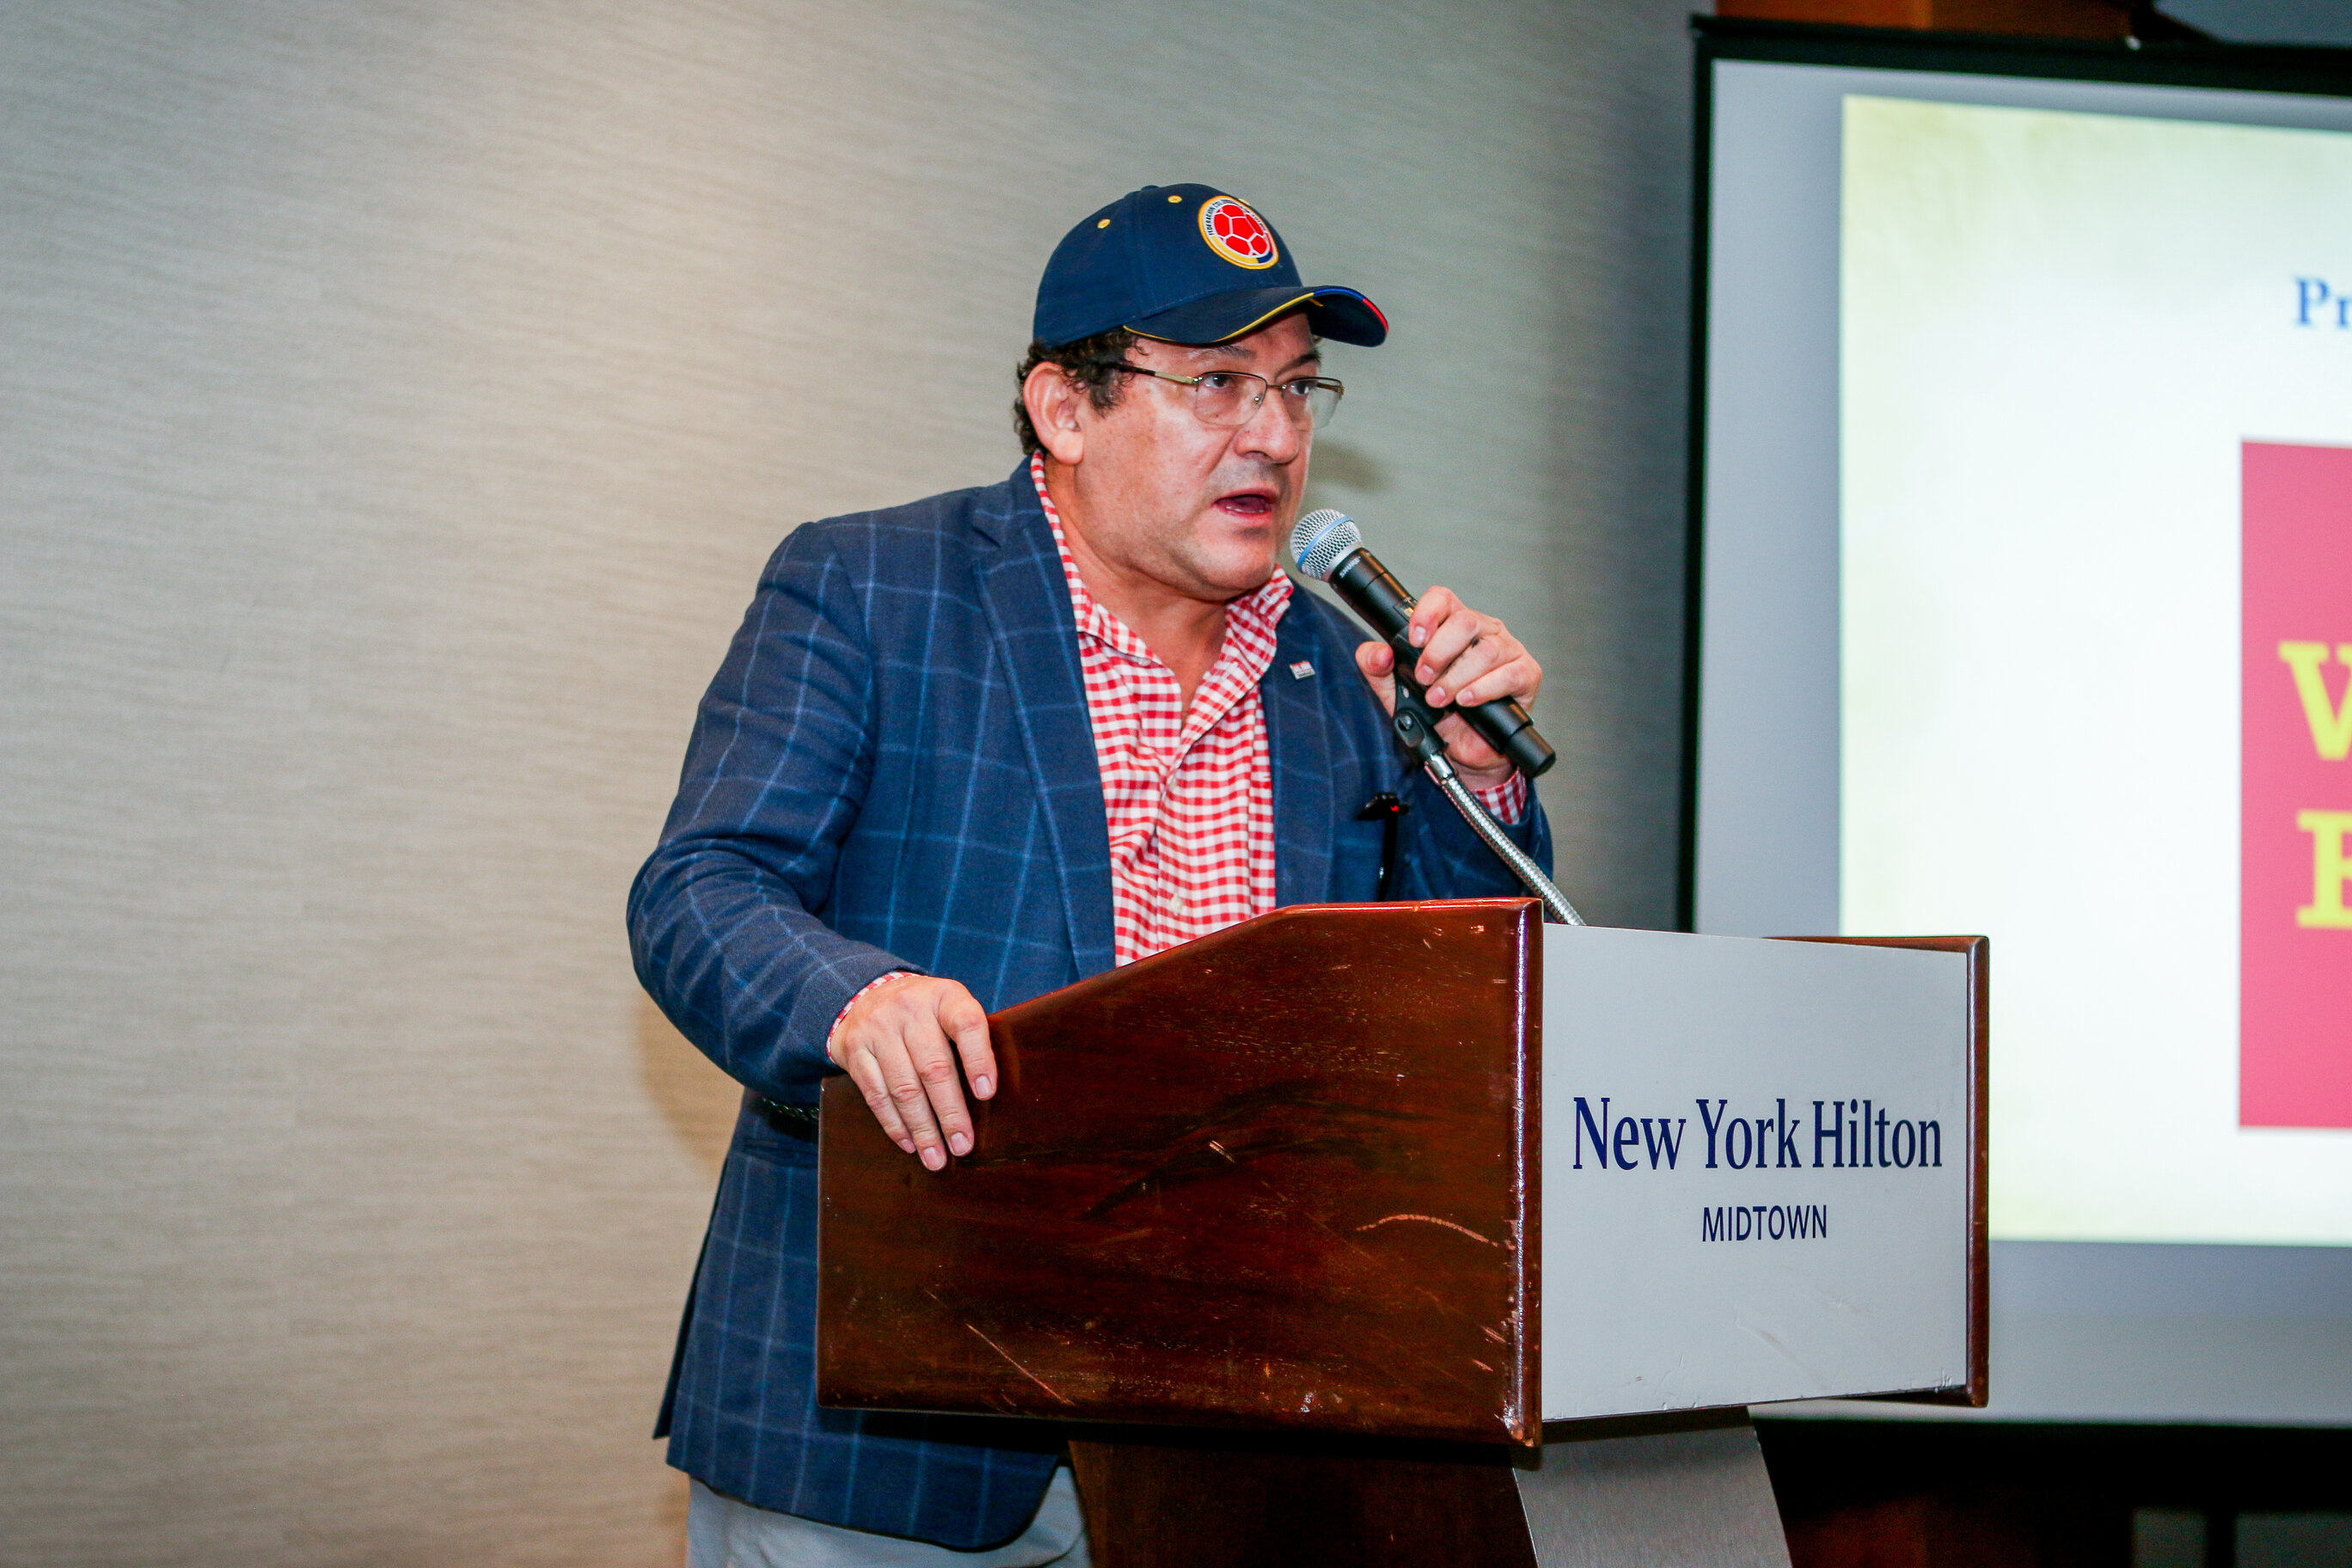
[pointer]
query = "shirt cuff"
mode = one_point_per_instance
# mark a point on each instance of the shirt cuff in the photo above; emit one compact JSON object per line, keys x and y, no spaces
{"x":1508,"y":800}
{"x":876,"y":984}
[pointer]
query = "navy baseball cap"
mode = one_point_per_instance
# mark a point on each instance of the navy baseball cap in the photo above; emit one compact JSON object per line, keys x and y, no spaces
{"x":1186,"y":264}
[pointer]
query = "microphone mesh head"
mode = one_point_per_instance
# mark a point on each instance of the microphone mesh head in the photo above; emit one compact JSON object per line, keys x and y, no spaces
{"x":1321,"y":540}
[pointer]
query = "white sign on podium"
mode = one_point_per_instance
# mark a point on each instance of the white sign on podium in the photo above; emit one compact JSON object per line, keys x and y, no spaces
{"x":1756,"y":1171}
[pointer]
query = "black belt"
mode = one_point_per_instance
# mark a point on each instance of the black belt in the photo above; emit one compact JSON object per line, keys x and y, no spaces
{"x":790,"y":1120}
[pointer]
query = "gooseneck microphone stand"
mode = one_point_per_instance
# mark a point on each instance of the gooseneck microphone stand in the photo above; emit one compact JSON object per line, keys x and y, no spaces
{"x":1416,"y":726}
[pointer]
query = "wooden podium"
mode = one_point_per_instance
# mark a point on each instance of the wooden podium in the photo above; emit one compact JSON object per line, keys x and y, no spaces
{"x":1405,"y":1233}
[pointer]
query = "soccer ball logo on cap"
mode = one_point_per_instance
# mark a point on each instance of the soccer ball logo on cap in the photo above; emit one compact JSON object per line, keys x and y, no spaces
{"x":1237,"y":234}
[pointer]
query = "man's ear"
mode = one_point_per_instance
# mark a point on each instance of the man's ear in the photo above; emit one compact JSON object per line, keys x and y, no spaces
{"x":1053,"y":400}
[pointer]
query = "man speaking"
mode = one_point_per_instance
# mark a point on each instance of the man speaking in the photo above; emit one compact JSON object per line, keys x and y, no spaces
{"x":976,"y":748}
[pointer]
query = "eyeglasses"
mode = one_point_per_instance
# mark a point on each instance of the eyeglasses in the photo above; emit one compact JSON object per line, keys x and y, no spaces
{"x":1231,"y":398}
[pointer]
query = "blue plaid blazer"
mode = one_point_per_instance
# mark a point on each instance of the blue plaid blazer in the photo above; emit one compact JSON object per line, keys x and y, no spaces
{"x":894,"y":769}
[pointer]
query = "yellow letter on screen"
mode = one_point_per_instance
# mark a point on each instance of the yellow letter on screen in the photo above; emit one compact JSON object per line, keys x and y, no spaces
{"x":2331,"y":867}
{"x":2331,"y":724}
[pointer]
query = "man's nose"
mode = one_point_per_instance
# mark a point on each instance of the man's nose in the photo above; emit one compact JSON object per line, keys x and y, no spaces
{"x":1270,"y":433}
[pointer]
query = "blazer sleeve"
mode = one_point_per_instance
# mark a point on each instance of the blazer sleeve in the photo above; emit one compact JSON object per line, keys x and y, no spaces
{"x":724,"y":918}
{"x":1439,"y":855}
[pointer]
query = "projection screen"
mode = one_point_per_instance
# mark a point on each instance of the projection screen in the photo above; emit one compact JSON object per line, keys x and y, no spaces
{"x":2023,"y":605}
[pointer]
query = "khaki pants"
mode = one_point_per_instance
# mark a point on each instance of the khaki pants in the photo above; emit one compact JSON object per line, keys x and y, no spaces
{"x":723,"y":1533}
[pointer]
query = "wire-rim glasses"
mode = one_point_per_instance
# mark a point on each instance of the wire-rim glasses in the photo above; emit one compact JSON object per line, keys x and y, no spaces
{"x":1231,"y":398}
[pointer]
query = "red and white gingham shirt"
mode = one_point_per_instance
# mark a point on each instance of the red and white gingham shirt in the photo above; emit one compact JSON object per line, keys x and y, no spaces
{"x":1189,"y":791}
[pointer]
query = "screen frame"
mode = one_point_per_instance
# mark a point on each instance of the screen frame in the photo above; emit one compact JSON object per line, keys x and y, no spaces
{"x":2314,"y":72}
{"x":2075,"y":1323}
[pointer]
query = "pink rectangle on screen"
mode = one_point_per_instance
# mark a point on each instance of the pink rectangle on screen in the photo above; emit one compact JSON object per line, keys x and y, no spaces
{"x":2295,"y":1042}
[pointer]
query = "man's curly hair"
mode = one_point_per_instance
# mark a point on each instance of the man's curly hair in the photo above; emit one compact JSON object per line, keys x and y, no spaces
{"x":1090,"y":362}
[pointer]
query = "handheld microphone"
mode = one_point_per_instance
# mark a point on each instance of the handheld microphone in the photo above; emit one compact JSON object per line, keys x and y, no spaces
{"x":1330,"y":549}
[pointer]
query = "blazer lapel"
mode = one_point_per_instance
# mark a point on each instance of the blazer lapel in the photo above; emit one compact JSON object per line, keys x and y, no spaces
{"x":1298,"y":741}
{"x":1028,"y":606}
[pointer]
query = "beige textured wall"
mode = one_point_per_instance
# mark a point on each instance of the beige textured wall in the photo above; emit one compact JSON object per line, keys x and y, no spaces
{"x":396,"y":400}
